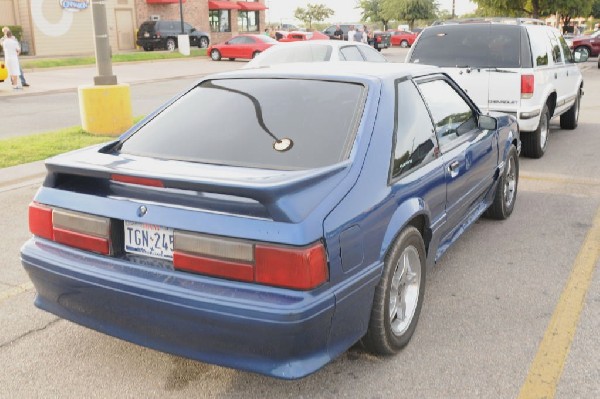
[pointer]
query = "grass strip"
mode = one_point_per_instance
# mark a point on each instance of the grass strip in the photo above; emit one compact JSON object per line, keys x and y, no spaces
{"x":25,"y":149}
{"x":117,"y":58}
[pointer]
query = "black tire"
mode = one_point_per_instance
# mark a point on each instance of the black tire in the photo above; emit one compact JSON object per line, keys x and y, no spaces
{"x":404,"y":44}
{"x":203,"y":42}
{"x":387,"y":333}
{"x":215,"y":55}
{"x":254,"y":54}
{"x":148,"y":48}
{"x":232,"y":59}
{"x":171,"y":44}
{"x":506,"y":191}
{"x":570,"y":119}
{"x":536,"y":142}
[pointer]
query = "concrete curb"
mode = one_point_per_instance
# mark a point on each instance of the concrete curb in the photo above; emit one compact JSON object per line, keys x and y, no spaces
{"x":21,"y":175}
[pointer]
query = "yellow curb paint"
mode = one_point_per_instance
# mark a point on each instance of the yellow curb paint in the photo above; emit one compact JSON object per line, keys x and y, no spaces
{"x":547,"y":366}
{"x":105,"y":109}
{"x":19,"y":289}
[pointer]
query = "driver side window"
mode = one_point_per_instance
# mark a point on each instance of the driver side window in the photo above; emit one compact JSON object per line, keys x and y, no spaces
{"x":452,"y":116}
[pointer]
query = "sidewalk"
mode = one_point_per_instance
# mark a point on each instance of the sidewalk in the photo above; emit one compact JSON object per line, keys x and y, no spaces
{"x":54,"y":80}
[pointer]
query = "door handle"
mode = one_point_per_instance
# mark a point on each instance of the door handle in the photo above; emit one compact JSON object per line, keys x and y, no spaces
{"x":453,"y":168}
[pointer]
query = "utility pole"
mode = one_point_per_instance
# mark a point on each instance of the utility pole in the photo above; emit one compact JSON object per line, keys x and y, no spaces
{"x":102,"y":45}
{"x":453,"y":13}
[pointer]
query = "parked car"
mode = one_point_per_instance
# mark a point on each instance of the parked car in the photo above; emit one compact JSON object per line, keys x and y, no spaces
{"x":3,"y":72}
{"x":329,"y":31}
{"x":241,"y":46}
{"x":302,"y":36}
{"x":518,"y":66}
{"x":588,"y":44}
{"x":163,"y":34}
{"x":402,"y":38}
{"x":268,"y":219}
{"x":316,"y":51}
{"x":381,"y":40}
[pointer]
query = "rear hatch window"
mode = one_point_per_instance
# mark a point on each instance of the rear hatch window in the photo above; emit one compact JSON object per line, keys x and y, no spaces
{"x":147,"y":27}
{"x":474,"y":46}
{"x":281,"y":124}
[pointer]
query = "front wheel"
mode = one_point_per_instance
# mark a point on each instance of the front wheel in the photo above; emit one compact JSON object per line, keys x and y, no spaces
{"x":584,"y":50}
{"x":215,"y":55}
{"x":535,"y":143}
{"x":398,"y":296}
{"x":171,"y":45}
{"x":203,"y":42}
{"x":404,"y":44}
{"x":506,"y":191}
{"x":254,"y":54}
{"x":569,"y":119}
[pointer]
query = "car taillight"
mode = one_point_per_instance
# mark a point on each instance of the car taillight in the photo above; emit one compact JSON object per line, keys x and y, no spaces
{"x":301,"y":268}
{"x":527,"y":85}
{"x":75,"y":229}
{"x":143,"y":181}
{"x":157,"y":34}
{"x":378,"y":39}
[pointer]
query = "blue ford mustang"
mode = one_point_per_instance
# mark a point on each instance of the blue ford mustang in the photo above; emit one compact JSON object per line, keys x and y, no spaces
{"x":269,"y":219}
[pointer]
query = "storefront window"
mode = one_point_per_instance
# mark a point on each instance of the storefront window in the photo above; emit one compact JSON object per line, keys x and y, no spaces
{"x":220,"y":20}
{"x":248,"y":21}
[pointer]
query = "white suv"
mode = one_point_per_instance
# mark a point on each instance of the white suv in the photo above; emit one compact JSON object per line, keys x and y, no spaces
{"x":517,"y":66}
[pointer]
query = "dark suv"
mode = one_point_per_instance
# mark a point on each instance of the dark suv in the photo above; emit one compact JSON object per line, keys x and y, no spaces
{"x":163,"y":35}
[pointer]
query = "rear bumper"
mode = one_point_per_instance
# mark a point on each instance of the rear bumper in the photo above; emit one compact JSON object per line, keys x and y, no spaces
{"x":277,"y":332}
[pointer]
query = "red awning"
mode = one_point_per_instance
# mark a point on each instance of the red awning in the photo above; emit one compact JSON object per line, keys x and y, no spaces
{"x":222,"y":5}
{"x":163,"y":1}
{"x":251,"y":6}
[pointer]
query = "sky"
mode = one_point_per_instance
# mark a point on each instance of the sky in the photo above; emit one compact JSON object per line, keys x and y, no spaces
{"x":282,"y":11}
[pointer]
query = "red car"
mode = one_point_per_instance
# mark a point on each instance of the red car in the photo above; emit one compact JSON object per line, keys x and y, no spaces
{"x":589,"y":43}
{"x":299,"y":36}
{"x":241,"y":46}
{"x":402,"y":38}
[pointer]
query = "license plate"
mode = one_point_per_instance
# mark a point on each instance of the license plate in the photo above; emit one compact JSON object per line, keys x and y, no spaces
{"x":146,"y":34}
{"x":149,"y":239}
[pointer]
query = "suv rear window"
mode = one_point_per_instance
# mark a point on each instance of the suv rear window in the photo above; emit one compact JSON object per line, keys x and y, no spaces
{"x":265,"y":123}
{"x":468,"y":45}
{"x":147,"y":26}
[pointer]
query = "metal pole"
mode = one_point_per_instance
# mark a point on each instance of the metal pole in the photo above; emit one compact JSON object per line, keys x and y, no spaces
{"x":102,"y":45}
{"x":181,"y":15}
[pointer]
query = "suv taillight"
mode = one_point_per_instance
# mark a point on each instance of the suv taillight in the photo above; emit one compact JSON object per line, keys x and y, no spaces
{"x":527,"y":84}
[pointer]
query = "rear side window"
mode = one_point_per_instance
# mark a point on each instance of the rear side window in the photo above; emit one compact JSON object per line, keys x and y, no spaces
{"x":415,"y":140}
{"x":540,"y":45}
{"x":351,"y":53}
{"x":475,"y":46}
{"x":371,"y":55}
{"x":265,"y":123}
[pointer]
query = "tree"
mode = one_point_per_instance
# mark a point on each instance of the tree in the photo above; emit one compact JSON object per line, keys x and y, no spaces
{"x":313,"y":12}
{"x":596,"y":9}
{"x":372,"y":12}
{"x":409,"y":10}
{"x":516,"y":8}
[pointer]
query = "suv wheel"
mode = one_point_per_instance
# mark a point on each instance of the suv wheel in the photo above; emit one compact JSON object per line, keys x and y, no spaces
{"x":148,"y":48}
{"x":171,"y":45}
{"x":404,"y":44}
{"x":535,"y":143}
{"x":569,"y":119}
{"x":203,"y":42}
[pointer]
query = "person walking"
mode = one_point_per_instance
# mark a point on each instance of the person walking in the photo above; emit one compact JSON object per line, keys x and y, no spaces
{"x":11,"y":57}
{"x":351,"y":33}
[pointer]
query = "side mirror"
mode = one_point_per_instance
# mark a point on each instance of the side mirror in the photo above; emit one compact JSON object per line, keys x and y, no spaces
{"x":193,"y":30}
{"x":487,"y":122}
{"x":580,"y":55}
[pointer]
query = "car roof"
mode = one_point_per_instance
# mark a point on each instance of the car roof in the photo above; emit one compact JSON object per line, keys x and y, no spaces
{"x":323,"y":70}
{"x":332,"y":43}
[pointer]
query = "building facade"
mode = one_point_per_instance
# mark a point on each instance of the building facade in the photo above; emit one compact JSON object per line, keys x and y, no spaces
{"x":65,"y":27}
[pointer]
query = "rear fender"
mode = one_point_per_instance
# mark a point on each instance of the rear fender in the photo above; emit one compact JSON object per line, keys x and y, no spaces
{"x":406,"y":212}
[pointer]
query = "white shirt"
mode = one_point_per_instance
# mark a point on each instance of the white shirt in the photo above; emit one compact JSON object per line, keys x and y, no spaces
{"x":351,"y":35}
